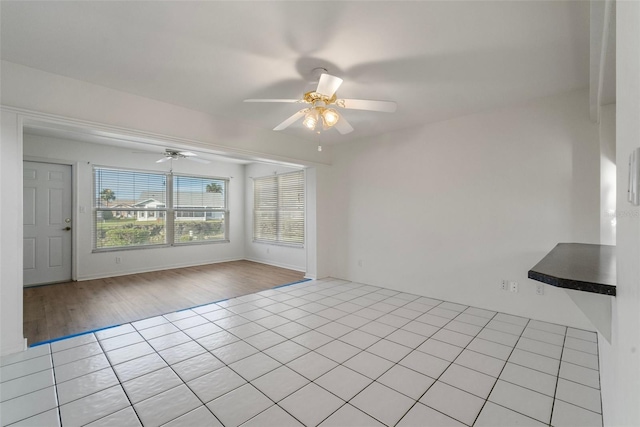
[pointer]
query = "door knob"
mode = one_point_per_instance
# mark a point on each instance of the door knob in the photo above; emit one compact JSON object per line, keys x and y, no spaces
{"x":67,"y":228}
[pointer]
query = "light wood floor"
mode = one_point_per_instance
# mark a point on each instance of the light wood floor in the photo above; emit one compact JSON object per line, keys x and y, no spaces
{"x":58,"y":310}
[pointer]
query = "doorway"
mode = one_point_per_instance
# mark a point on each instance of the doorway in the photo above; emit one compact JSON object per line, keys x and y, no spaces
{"x":47,"y":203}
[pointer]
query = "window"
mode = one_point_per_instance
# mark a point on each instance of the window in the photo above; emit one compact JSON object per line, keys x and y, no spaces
{"x":139,"y":209}
{"x":199,"y":208}
{"x":125,"y":208}
{"x":278,"y":210}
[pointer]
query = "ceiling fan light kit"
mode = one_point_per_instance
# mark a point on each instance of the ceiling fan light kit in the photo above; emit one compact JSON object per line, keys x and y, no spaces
{"x":311,"y":119}
{"x":330,"y":117}
{"x":321,"y":100}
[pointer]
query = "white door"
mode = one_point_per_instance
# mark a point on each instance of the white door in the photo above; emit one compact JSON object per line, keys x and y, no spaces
{"x":47,"y":223}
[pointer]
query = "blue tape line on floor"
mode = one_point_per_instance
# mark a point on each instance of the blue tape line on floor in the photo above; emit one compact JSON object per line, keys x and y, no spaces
{"x":201,"y":305}
{"x":291,"y":284}
{"x":72,"y":336}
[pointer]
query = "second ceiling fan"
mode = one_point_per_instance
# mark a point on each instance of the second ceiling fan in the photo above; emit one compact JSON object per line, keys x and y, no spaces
{"x":170,"y":154}
{"x":322,"y":100}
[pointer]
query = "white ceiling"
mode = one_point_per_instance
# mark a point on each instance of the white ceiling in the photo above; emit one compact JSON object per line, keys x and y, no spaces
{"x":437,"y":60}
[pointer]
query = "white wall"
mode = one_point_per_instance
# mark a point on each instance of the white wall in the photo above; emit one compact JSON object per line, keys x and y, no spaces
{"x":608,"y":174}
{"x":11,"y":338}
{"x":326,"y":219}
{"x":620,"y":360}
{"x":90,"y":265}
{"x":450,"y":209}
{"x":282,"y":256}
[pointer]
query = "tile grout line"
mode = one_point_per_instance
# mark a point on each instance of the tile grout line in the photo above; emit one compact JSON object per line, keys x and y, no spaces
{"x":555,"y":391}
{"x":599,"y":379}
{"x":119,"y":383}
{"x":498,"y":378}
{"x":55,"y":385}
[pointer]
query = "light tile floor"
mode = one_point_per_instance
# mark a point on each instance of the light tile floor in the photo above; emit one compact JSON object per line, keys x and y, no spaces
{"x":328,"y":352}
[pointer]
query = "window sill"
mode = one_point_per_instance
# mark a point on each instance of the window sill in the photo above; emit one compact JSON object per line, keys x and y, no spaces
{"x":132,"y":248}
{"x":129,"y":248}
{"x":286,"y":245}
{"x":202,"y":242}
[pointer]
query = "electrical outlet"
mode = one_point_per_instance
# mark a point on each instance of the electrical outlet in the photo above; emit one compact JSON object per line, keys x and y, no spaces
{"x":539,"y":288}
{"x":504,"y":285}
{"x":118,"y":260}
{"x":513,"y":286}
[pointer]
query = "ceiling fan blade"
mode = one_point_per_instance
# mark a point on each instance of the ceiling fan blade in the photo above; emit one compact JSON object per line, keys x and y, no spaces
{"x":291,"y":120}
{"x":366,"y":104}
{"x":343,"y":126}
{"x":328,"y":85}
{"x":291,"y":101}
{"x":187,"y":153}
{"x":164,"y":159}
{"x":195,"y":159}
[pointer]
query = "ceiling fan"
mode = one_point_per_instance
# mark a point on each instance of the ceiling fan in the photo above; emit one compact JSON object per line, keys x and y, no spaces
{"x":322,"y":101}
{"x":175,"y":154}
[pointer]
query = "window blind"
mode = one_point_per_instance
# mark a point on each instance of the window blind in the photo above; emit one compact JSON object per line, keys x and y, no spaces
{"x":128,"y":187}
{"x":279,"y":208}
{"x":129,"y":208}
{"x":200,"y":209}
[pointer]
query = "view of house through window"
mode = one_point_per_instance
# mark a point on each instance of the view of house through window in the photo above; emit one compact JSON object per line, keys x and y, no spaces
{"x":278,"y":210}
{"x":137,"y":209}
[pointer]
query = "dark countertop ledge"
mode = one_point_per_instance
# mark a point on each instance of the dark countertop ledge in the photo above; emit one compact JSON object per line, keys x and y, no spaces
{"x":579,"y":266}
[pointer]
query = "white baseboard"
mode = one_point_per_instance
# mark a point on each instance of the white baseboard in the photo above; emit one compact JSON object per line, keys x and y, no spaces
{"x":278,"y":264}
{"x":148,"y":270}
{"x":15,"y":347}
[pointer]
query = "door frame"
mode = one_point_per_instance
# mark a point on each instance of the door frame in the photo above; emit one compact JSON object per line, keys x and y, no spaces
{"x":74,"y":209}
